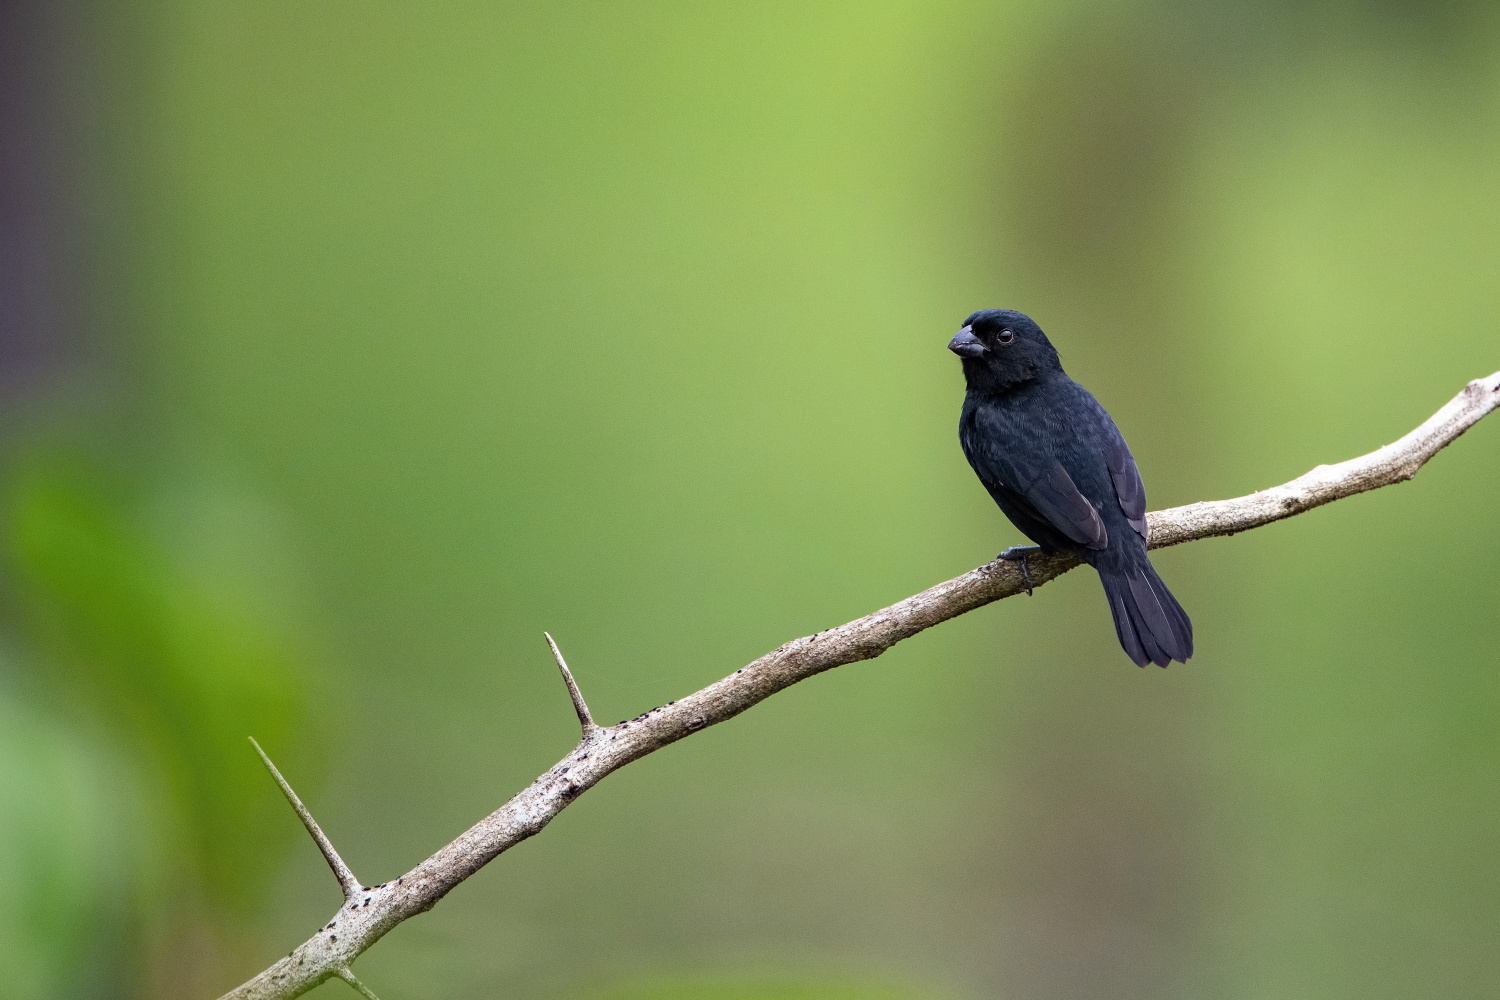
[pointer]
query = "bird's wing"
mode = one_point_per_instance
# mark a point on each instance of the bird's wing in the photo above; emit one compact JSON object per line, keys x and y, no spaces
{"x":1127,"y":479}
{"x":1013,"y":464}
{"x":1054,"y":494}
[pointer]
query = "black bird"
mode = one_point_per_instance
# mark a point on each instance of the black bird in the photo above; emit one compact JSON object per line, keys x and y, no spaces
{"x":1058,"y":467}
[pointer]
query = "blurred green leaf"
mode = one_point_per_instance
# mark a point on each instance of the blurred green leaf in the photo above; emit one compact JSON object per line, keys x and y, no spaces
{"x":187,"y":668}
{"x":63,"y":858}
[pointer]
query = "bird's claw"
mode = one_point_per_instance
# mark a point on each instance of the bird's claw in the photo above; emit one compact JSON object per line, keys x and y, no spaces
{"x":1018,"y":554}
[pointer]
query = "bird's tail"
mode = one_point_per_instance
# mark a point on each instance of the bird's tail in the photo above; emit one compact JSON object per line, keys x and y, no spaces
{"x":1151,"y":625}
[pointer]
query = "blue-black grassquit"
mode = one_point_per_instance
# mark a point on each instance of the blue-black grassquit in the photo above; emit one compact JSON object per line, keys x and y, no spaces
{"x":1058,"y":467}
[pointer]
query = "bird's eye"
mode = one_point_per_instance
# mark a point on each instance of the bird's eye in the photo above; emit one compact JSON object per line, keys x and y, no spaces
{"x":1006,"y":336}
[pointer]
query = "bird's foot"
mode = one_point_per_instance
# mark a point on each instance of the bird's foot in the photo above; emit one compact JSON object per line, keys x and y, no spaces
{"x":1018,"y":554}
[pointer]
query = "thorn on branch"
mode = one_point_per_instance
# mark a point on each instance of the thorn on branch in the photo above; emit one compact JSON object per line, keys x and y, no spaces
{"x":348,"y":976}
{"x":341,"y":871}
{"x":584,"y":718}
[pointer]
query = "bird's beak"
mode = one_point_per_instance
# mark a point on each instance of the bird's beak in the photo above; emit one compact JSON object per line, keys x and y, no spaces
{"x":966,"y":345}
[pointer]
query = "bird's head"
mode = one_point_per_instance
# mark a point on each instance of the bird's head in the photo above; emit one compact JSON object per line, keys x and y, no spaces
{"x":1002,"y":348}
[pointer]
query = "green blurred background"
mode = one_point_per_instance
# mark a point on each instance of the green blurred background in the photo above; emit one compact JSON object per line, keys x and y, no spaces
{"x":347,"y":346}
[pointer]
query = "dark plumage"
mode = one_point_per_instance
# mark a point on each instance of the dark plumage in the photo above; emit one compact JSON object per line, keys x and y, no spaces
{"x":1057,"y":466}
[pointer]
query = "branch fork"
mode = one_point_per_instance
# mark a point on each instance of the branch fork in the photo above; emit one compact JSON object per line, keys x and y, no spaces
{"x":356,"y":896}
{"x":370,"y":912}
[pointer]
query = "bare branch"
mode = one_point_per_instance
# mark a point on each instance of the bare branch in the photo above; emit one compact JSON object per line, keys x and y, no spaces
{"x":584,"y":718}
{"x":1395,"y":463}
{"x":360,"y":925}
{"x":341,"y":871}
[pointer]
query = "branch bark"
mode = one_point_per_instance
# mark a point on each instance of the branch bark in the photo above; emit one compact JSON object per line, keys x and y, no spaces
{"x":370,"y":913}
